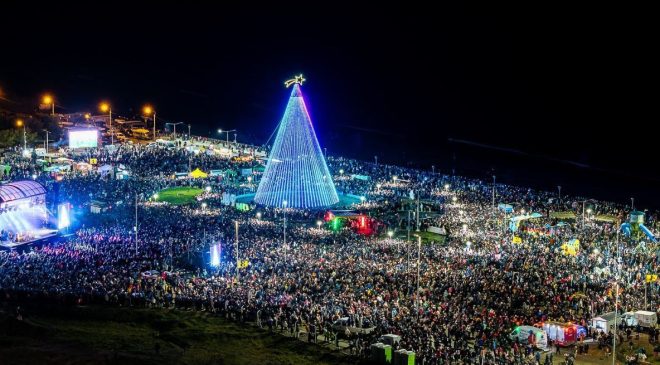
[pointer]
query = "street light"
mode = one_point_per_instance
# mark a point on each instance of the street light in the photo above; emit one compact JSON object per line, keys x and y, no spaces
{"x":156,"y":196}
{"x":49,"y":100}
{"x":341,"y":172}
{"x":390,"y":234}
{"x":208,"y":189}
{"x":258,"y":215}
{"x":148,"y":110}
{"x":221,"y":131}
{"x":454,"y":199}
{"x":446,"y":186}
{"x":318,"y":224}
{"x":20,"y":123}
{"x":105,"y":108}
{"x":583,"y":210}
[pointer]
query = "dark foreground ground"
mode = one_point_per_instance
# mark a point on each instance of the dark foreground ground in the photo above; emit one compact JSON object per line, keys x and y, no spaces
{"x":109,"y":335}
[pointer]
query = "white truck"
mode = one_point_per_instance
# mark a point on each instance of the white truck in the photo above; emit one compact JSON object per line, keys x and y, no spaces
{"x":643,"y":319}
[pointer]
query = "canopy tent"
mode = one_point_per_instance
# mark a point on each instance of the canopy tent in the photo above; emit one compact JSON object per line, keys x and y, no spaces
{"x":604,"y":322}
{"x":197,"y":173}
{"x":57,"y":168}
{"x":514,"y":222}
{"x":506,"y":208}
{"x":360,"y":177}
{"x":605,"y":218}
{"x":563,"y":215}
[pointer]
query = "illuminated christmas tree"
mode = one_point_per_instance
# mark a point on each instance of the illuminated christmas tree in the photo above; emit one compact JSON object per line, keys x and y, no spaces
{"x":296,"y":174}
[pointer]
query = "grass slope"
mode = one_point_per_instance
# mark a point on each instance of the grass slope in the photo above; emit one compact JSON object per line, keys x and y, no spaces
{"x":105,"y":335}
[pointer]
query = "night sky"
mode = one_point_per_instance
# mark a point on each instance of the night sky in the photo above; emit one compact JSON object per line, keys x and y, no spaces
{"x":539,"y":97}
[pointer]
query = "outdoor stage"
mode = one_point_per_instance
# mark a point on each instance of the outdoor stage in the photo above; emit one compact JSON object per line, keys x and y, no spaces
{"x":24,"y":218}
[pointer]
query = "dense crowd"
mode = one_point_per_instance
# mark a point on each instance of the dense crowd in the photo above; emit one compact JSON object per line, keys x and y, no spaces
{"x":472,"y":289}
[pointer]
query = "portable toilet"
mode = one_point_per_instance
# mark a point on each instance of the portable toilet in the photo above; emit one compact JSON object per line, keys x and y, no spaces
{"x":387,"y":352}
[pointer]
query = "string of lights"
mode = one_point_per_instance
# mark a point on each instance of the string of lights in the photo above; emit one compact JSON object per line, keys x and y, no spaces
{"x":296,"y":171}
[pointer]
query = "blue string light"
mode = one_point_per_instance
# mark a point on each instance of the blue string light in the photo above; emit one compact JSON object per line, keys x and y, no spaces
{"x":296,"y":171}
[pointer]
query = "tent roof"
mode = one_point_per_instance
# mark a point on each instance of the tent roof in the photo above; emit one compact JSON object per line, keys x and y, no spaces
{"x":20,"y":190}
{"x":197,"y":173}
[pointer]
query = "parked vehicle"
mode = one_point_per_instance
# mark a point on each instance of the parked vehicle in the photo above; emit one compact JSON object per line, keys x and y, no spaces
{"x":530,"y":334}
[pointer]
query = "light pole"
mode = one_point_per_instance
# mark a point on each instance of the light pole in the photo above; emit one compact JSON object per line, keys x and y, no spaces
{"x":433,"y":168}
{"x":632,"y":204}
{"x":20,"y":123}
{"x":188,"y":131}
{"x":136,"y":224}
{"x":46,"y":130}
{"x":105,"y":107}
{"x":318,"y":224}
{"x":284,"y":232}
{"x":174,"y":124}
{"x":221,"y":131}
{"x":148,"y":110}
{"x":238,"y":263}
{"x":49,"y":100}
{"x":419,"y":253}
{"x":559,"y":188}
{"x":376,"y":159}
{"x":616,"y":300}
{"x":493,"y":193}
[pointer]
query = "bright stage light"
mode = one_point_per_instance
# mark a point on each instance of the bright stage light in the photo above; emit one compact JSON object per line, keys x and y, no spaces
{"x":63,"y":220}
{"x":215,"y":255}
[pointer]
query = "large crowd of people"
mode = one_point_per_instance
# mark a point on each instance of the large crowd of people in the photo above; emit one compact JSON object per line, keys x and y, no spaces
{"x":452,"y":298}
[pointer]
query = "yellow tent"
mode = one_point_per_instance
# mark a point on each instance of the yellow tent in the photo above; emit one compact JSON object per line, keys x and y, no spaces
{"x":197,"y":173}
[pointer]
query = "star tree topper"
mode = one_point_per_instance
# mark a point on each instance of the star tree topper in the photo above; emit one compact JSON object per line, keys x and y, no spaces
{"x":295,"y":80}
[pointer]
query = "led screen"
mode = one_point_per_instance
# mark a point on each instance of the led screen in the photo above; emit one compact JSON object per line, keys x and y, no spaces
{"x":82,"y":139}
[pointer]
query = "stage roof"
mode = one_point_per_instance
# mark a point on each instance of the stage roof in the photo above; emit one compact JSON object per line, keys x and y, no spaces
{"x":20,"y":190}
